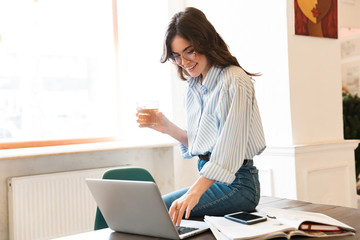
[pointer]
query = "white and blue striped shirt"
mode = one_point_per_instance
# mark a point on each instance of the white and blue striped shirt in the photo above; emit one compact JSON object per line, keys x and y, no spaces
{"x":223,"y":118}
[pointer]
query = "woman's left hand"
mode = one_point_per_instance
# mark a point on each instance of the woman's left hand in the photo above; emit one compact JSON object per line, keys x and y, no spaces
{"x":182,"y":205}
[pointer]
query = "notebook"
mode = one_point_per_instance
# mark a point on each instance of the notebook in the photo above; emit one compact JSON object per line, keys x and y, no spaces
{"x":137,"y":207}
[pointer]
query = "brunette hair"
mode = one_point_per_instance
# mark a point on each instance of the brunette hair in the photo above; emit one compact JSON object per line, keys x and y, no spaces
{"x":193,"y":26}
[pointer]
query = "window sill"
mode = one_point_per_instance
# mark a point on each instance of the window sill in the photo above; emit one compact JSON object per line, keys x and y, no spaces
{"x":86,"y":147}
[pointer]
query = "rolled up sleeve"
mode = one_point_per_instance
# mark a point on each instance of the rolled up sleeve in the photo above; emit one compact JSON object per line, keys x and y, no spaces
{"x":184,"y":151}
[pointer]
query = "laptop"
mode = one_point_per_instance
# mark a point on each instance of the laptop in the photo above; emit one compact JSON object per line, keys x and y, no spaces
{"x":136,"y":207}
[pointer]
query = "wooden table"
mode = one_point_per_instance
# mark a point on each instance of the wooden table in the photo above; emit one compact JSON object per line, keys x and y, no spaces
{"x":349,"y":216}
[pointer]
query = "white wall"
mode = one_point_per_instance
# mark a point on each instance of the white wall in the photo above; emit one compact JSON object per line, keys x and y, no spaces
{"x":141,"y":75}
{"x":315,"y":86}
{"x":256,"y":33}
{"x":299,"y":92}
{"x":349,"y":13}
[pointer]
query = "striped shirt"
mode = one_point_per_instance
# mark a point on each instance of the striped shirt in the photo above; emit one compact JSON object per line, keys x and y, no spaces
{"x":222,"y":119}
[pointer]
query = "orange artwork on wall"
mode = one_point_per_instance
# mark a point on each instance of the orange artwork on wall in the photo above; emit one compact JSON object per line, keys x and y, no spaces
{"x":317,"y":18}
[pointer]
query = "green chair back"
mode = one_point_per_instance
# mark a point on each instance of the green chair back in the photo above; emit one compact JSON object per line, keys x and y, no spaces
{"x":126,"y":173}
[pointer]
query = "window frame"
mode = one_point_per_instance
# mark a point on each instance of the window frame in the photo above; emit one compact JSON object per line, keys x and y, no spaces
{"x":51,"y":143}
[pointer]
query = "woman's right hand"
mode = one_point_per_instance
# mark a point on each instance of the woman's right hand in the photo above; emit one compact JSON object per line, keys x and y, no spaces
{"x":162,"y":125}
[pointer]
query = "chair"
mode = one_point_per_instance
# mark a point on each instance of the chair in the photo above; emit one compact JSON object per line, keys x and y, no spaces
{"x":126,"y":173}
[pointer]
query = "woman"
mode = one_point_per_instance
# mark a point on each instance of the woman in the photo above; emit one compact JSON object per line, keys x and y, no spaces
{"x":224,"y":128}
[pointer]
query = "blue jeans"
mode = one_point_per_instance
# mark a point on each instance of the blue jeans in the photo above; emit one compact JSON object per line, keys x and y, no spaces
{"x":242,"y":194}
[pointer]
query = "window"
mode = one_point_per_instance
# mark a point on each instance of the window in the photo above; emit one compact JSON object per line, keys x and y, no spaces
{"x":57,"y":70}
{"x":63,"y":78}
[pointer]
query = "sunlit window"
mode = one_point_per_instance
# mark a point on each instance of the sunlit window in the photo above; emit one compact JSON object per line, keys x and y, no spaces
{"x":74,"y":69}
{"x":57,"y":70}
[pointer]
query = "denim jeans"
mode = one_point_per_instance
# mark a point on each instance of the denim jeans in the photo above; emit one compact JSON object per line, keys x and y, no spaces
{"x":242,"y":194}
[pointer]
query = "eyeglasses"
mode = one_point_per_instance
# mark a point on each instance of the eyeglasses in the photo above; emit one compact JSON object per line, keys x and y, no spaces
{"x":189,"y":55}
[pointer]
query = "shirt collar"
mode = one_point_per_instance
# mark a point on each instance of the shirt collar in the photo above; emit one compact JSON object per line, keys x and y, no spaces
{"x":210,"y":80}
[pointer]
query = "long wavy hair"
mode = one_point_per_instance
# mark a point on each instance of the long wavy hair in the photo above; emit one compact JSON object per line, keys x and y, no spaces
{"x":193,"y":26}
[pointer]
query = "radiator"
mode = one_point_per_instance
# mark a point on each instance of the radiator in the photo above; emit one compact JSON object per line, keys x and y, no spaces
{"x":51,"y":205}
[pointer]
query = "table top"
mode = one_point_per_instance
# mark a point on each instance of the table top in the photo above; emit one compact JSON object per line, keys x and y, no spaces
{"x":349,"y":216}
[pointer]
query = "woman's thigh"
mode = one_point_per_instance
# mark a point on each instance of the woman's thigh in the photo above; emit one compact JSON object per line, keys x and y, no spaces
{"x":242,"y":195}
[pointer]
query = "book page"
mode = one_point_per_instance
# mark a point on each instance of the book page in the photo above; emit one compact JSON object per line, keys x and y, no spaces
{"x":294,"y":218}
{"x":216,"y":232}
{"x":235,"y":230}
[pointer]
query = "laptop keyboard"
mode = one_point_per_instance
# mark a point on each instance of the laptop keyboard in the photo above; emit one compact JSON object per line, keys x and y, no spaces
{"x":183,"y":230}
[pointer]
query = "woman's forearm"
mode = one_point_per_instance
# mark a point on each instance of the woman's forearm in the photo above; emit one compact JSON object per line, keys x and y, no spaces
{"x":189,"y":200}
{"x":200,"y":186}
{"x":167,"y":127}
{"x":178,"y":134}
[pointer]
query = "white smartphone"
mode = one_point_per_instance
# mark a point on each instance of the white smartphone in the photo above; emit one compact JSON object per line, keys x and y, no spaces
{"x":245,"y":217}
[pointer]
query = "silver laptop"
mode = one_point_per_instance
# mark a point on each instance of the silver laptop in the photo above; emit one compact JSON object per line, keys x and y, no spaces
{"x":137,"y":207}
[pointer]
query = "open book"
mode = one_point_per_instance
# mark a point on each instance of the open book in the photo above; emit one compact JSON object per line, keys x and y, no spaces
{"x":280,"y":223}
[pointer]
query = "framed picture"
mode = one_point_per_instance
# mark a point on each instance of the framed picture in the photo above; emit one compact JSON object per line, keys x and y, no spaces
{"x":317,"y":18}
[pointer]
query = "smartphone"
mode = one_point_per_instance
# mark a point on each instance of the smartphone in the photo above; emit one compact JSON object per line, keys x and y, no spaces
{"x":245,"y":217}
